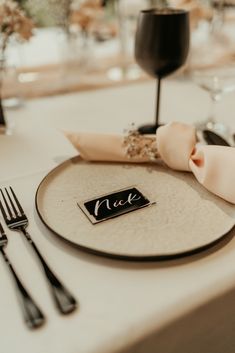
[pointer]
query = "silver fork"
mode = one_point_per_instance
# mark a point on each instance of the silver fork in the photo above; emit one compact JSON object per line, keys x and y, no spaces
{"x":33,"y":316}
{"x":16,"y":219}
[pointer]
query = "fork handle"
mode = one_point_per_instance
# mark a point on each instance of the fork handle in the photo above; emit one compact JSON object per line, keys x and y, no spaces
{"x":64,"y":300}
{"x":33,"y":316}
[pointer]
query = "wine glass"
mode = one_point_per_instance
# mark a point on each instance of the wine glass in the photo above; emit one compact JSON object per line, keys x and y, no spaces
{"x":217,"y":81}
{"x":213,"y":69}
{"x":161,"y":47}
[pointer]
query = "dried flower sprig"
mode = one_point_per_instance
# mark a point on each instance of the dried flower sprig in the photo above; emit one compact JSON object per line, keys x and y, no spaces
{"x":86,"y":14}
{"x":13,"y":22}
{"x":142,"y":146}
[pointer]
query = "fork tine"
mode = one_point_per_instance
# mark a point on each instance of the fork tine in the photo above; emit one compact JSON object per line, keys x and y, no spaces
{"x":7,"y":205}
{"x":1,"y":228}
{"x":3,"y":212}
{"x":17,"y":202}
{"x":11,"y":202}
{"x":3,"y":236}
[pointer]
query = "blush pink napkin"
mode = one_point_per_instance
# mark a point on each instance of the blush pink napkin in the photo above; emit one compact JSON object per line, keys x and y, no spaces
{"x":213,"y":166}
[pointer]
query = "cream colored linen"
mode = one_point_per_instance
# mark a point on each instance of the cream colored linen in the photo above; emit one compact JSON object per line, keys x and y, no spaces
{"x":213,"y":166}
{"x":101,"y":147}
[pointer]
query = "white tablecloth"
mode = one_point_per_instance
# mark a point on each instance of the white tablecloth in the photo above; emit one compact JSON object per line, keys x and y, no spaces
{"x":185,"y":305}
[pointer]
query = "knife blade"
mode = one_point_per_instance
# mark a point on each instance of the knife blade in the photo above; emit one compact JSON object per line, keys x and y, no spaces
{"x":214,"y":139}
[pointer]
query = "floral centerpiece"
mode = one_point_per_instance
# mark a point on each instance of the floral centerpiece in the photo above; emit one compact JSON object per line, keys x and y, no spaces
{"x":86,"y":13}
{"x":13,"y":23}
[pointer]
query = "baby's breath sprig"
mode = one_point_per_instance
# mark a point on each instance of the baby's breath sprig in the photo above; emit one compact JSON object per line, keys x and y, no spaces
{"x":140,"y":146}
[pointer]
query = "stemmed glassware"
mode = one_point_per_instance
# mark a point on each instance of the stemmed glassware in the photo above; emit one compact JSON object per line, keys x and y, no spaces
{"x":212,"y":68}
{"x":161,"y":47}
{"x":217,"y":81}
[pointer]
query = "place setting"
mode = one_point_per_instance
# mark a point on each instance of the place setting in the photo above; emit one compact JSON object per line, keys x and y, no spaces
{"x":123,"y":195}
{"x":156,"y":192}
{"x":92,"y":183}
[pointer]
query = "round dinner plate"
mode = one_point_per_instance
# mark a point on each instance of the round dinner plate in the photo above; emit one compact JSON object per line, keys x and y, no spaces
{"x":184,"y":219}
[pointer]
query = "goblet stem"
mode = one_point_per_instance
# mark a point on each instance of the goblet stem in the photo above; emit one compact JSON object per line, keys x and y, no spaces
{"x":158,"y":102}
{"x":151,"y":128}
{"x":2,"y":118}
{"x":213,"y":123}
{"x":215,"y":98}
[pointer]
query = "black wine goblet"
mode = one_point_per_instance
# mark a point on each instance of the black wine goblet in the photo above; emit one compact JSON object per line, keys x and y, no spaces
{"x":161,"y":47}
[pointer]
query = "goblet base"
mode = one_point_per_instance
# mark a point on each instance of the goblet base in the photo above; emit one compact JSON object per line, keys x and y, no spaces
{"x":217,"y":127}
{"x":148,"y":129}
{"x":215,"y":133}
{"x":213,"y":138}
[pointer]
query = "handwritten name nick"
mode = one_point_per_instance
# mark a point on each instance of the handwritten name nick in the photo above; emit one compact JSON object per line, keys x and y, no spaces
{"x":114,"y":204}
{"x":106,"y":203}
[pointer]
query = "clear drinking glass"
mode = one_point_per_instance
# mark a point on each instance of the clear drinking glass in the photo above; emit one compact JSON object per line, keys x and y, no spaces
{"x":218,"y":81}
{"x":212,"y":66}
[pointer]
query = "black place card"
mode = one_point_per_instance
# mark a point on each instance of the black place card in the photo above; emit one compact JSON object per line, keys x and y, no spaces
{"x":114,"y":204}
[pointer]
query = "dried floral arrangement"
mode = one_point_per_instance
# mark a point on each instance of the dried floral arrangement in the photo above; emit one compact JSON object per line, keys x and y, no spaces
{"x":82,"y":15}
{"x":91,"y":17}
{"x":86,"y":13}
{"x":13,"y":23}
{"x":140,"y":146}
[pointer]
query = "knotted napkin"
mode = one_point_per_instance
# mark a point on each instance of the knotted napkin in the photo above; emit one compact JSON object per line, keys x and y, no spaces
{"x":176,"y":145}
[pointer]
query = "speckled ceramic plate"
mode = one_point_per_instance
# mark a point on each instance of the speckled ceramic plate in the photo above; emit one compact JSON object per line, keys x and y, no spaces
{"x":186,"y":217}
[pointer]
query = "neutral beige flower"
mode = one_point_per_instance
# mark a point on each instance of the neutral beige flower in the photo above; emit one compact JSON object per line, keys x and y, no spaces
{"x":88,"y":12}
{"x":13,"y":22}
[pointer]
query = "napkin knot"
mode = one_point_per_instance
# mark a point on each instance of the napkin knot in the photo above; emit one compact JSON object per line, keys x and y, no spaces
{"x":175,"y":144}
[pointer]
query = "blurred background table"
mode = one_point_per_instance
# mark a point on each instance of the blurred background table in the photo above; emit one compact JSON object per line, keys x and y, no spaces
{"x":48,"y":65}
